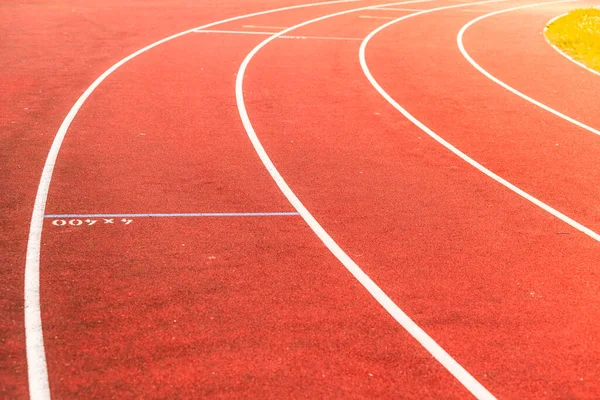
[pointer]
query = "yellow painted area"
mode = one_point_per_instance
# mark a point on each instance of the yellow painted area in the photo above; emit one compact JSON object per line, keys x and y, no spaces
{"x":578,"y":35}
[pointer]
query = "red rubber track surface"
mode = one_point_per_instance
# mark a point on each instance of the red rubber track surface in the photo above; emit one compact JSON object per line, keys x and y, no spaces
{"x":257,"y":307}
{"x":539,"y":276}
{"x":50,"y":55}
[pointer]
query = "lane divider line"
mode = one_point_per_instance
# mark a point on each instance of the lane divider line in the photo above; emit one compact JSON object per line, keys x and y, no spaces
{"x":576,"y":225}
{"x":460,"y":373}
{"x":375,"y":17}
{"x":178,"y":215}
{"x":398,"y":9}
{"x":562,"y":53}
{"x":263,"y":26}
{"x":272,"y":33}
{"x":233,"y":32}
{"x":319,"y":38}
{"x":37,"y":370}
{"x":463,"y":51}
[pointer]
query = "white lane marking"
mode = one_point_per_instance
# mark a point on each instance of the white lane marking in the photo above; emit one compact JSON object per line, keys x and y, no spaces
{"x":453,"y":149}
{"x":272,"y":33}
{"x":399,"y":9}
{"x":461,"y":47}
{"x":562,"y":53}
{"x":319,"y":38}
{"x":264,"y":26}
{"x":374,"y":17}
{"x":233,"y":32}
{"x":178,"y":215}
{"x":37,"y":371}
{"x":466,"y":379}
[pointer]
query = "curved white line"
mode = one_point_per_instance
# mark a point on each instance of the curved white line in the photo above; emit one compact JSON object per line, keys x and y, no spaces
{"x":464,"y":377}
{"x":453,"y":149}
{"x":461,"y":47}
{"x":562,"y":53}
{"x":34,"y":340}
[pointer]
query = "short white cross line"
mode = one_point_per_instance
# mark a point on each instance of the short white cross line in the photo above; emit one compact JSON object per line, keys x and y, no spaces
{"x":272,"y":33}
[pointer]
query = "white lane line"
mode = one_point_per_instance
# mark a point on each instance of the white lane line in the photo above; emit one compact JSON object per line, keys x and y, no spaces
{"x":37,"y":371}
{"x":178,"y":215}
{"x":453,"y":149}
{"x":398,"y":9}
{"x":271,"y":33}
{"x":233,"y":32}
{"x":374,"y":17}
{"x":461,"y":374}
{"x":264,"y":26}
{"x":319,"y":38}
{"x":568,"y":57}
{"x":463,"y":51}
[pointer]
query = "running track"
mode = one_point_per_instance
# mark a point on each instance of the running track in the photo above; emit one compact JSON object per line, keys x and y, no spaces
{"x":247,"y":301}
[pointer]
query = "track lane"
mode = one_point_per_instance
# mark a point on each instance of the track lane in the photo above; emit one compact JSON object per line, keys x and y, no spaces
{"x":34,"y":341}
{"x":165,"y":148}
{"x":340,"y":228}
{"x":428,"y":343}
{"x":453,"y":105}
{"x":128,"y":270}
{"x":46,"y":64}
{"x":439,"y":226}
{"x":247,"y":308}
{"x":558,"y":141}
